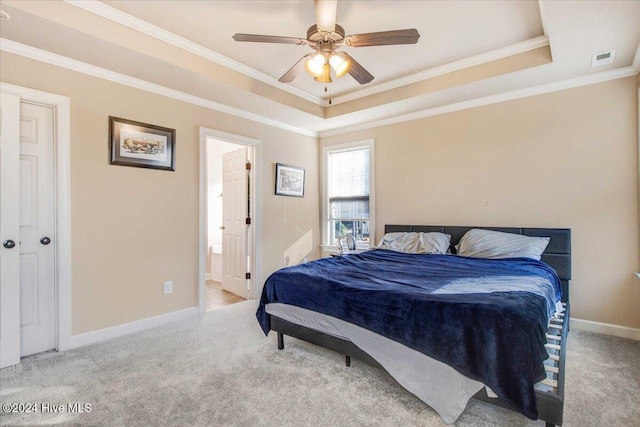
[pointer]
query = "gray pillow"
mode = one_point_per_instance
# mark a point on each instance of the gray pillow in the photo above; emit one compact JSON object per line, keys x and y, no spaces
{"x":416,"y":243}
{"x":479,"y":243}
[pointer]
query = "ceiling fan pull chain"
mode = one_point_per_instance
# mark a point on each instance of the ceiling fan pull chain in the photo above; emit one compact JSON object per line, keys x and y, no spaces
{"x":327,"y":90}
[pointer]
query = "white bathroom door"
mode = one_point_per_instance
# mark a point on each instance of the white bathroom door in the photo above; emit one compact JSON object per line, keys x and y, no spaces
{"x":37,"y":196}
{"x":9,"y":230}
{"x":234,"y":215}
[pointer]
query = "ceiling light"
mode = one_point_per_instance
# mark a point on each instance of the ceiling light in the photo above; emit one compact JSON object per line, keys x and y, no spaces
{"x":320,"y":68}
{"x":325,"y":77}
{"x":339,"y":64}
{"x":4,"y":16}
{"x":315,"y":65}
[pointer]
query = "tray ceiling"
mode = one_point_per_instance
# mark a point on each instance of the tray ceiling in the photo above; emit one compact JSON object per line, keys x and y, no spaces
{"x":469,"y":53}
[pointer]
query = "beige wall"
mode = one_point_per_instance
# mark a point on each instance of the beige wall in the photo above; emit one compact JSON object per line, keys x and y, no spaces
{"x":134,"y":228}
{"x":563,"y":159}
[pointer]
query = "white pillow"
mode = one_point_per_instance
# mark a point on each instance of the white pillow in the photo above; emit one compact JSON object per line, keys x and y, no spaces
{"x":495,"y":244}
{"x":416,"y":243}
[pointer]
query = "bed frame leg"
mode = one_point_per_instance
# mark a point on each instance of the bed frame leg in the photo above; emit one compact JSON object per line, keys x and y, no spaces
{"x":280,"y":341}
{"x":547,"y":424}
{"x":347,"y":360}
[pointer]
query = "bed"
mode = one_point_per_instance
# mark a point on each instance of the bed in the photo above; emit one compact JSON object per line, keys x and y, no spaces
{"x":463,"y":359}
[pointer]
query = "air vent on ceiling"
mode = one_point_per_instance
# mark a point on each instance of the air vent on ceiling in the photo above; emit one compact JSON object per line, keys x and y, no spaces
{"x":603,"y":58}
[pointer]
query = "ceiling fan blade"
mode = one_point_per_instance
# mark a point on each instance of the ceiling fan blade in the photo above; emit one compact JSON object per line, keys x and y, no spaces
{"x":267,"y":39}
{"x":326,"y":11}
{"x":357,"y":71}
{"x":295,"y":71}
{"x":408,"y":36}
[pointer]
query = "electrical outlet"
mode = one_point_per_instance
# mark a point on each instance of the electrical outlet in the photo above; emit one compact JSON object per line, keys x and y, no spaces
{"x":305,"y":259}
{"x":168,"y":287}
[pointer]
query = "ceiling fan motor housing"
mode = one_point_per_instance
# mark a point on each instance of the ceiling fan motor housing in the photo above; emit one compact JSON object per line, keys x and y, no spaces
{"x":313,"y":35}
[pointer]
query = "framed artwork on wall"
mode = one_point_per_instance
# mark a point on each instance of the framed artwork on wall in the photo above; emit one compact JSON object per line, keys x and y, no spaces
{"x":141,"y":145}
{"x":289,"y":180}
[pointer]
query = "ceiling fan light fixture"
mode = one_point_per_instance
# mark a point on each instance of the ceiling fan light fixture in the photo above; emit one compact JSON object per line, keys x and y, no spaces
{"x":339,"y":65}
{"x":325,"y":77}
{"x":324,"y":37}
{"x":315,"y":65}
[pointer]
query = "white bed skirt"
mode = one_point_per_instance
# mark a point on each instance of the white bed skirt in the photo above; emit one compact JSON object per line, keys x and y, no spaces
{"x":437,"y":384}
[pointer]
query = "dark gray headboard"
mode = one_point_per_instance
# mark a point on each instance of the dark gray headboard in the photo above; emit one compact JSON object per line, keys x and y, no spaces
{"x":557,"y":254}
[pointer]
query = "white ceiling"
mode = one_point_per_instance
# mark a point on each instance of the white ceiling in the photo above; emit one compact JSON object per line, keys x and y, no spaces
{"x":454,"y":34}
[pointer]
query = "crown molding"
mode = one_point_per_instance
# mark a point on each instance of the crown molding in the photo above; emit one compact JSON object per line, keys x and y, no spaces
{"x":590,"y":79}
{"x":451,"y":67}
{"x":82,"y":67}
{"x":102,"y":73}
{"x":105,"y":11}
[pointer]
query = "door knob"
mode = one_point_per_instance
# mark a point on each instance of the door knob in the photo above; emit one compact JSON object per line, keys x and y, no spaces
{"x":222,"y":227}
{"x":45,"y":240}
{"x":9,"y":244}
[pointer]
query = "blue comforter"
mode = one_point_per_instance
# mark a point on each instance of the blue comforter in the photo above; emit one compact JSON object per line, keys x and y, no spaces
{"x":485,"y":318}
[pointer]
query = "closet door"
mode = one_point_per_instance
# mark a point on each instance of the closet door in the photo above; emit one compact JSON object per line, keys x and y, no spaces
{"x":37,"y":272}
{"x":27,"y":197}
{"x":9,"y":230}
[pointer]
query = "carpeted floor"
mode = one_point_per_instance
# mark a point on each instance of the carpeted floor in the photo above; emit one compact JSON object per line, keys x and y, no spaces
{"x":220,"y":370}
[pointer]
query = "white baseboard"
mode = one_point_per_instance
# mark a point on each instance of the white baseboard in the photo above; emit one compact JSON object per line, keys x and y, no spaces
{"x":605,"y":328}
{"x":128,"y":328}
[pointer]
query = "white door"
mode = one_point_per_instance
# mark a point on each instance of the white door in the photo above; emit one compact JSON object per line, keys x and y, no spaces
{"x":234,"y":215}
{"x":37,"y":296}
{"x":26,"y":208}
{"x":9,"y":230}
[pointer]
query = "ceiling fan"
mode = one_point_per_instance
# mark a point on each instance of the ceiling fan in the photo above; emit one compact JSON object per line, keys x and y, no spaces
{"x":324,"y":38}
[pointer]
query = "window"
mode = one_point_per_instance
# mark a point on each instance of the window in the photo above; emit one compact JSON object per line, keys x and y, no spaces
{"x":348,"y":183}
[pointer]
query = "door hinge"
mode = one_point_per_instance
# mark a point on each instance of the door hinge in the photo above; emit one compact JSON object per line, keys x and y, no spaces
{"x":247,"y":276}
{"x":248,"y":221}
{"x":248,"y":166}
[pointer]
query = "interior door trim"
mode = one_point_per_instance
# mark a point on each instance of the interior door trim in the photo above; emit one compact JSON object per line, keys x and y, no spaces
{"x":256,"y":210}
{"x":62,"y":172}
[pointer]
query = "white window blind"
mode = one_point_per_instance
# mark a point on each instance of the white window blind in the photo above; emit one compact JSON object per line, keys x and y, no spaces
{"x":348,"y":194}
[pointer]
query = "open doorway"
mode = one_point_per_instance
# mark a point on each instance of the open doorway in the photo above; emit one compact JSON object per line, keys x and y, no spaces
{"x":228,"y":222}
{"x":228,"y":219}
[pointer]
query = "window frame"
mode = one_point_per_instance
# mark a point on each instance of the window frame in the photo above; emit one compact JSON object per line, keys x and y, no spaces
{"x":331,"y":247}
